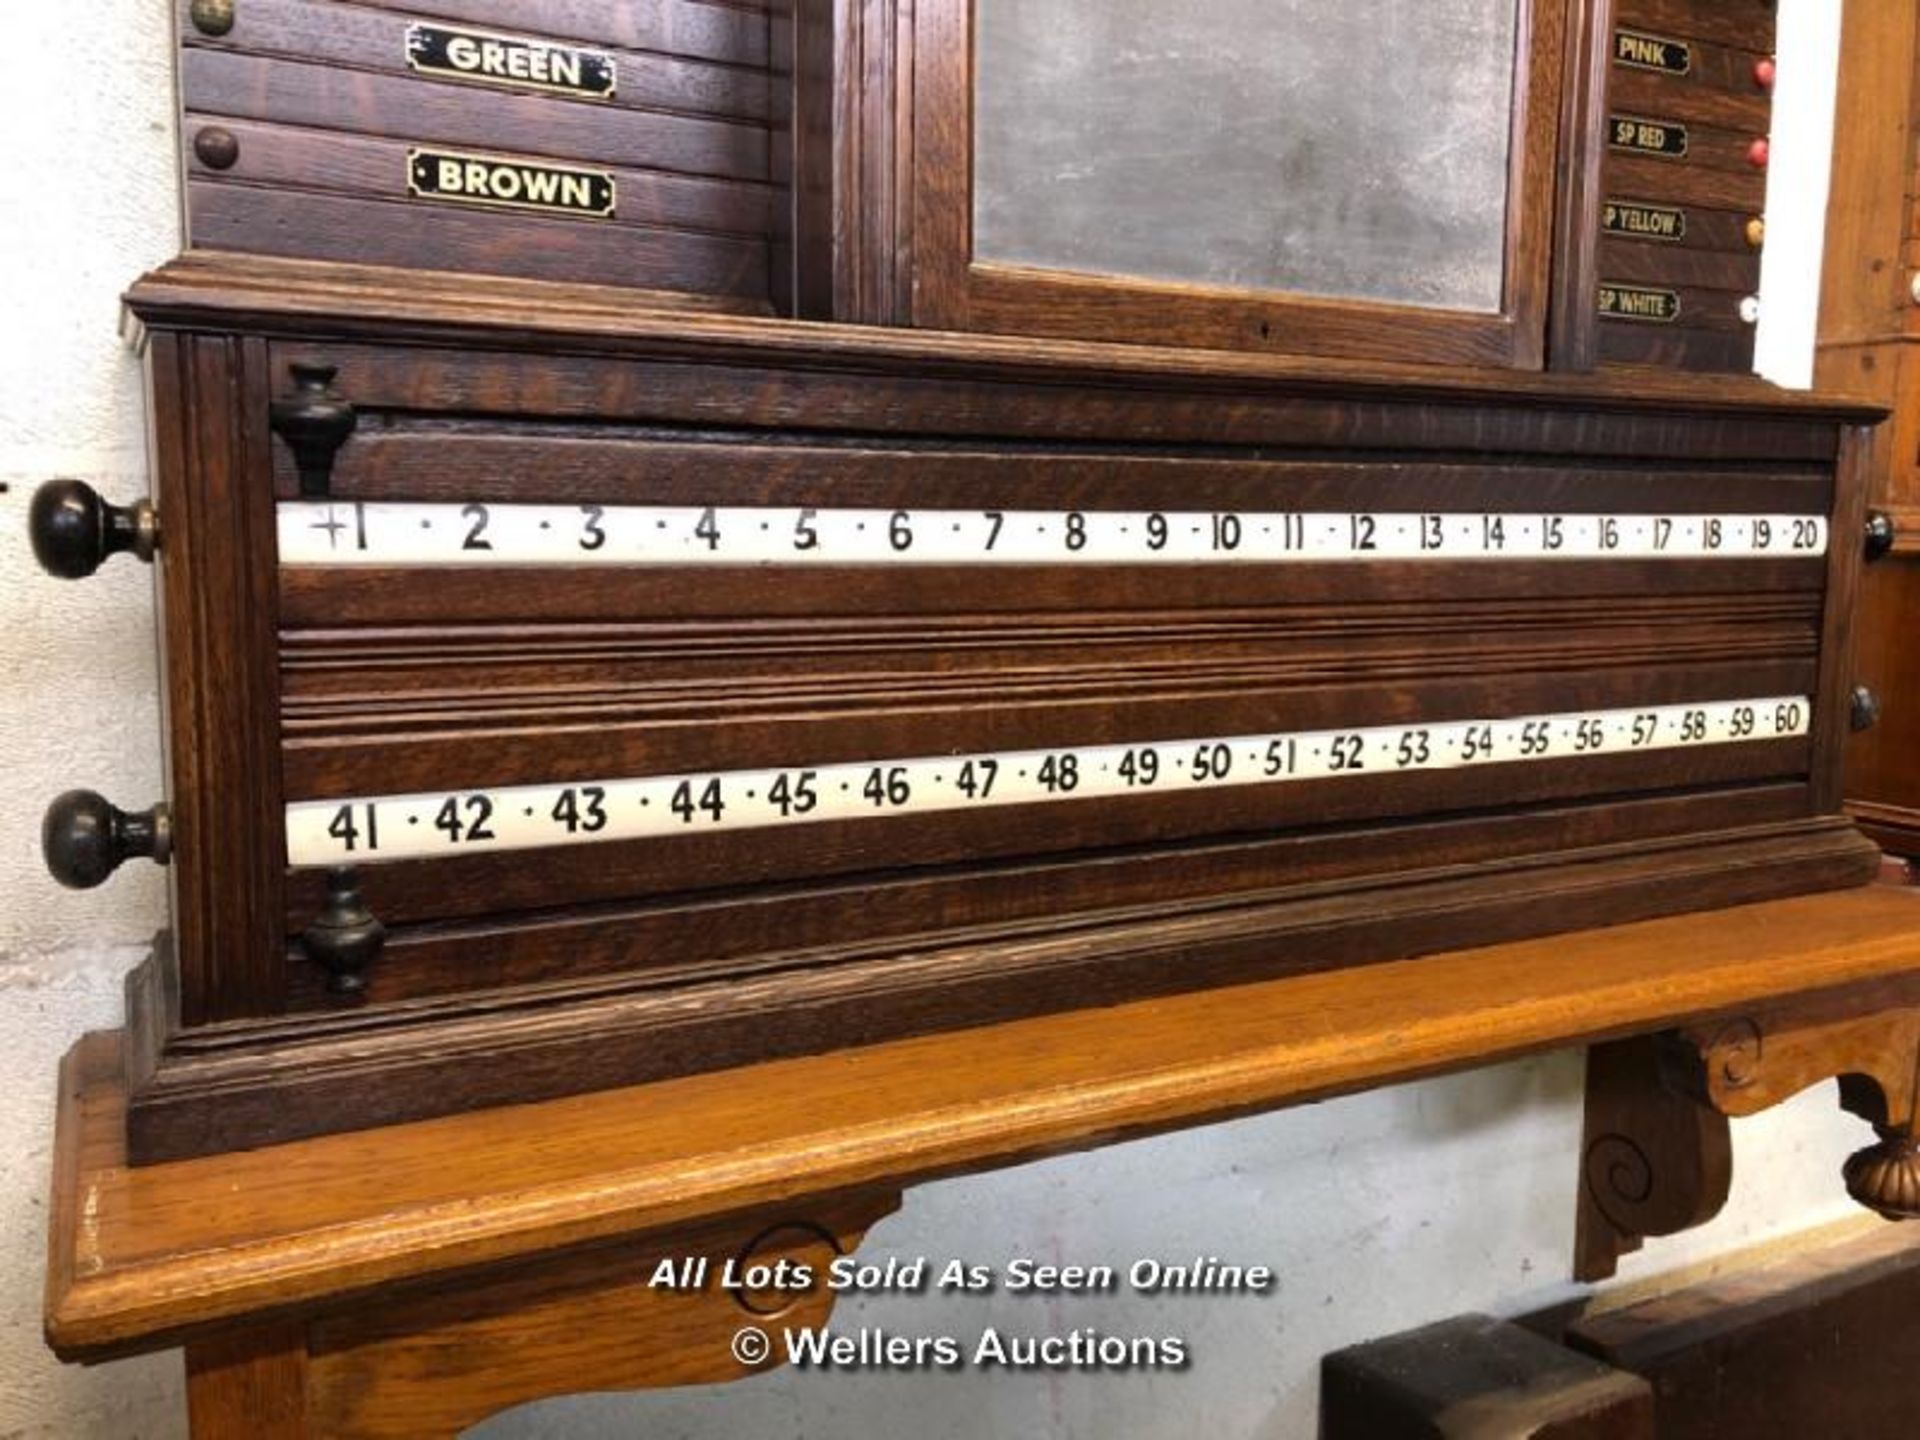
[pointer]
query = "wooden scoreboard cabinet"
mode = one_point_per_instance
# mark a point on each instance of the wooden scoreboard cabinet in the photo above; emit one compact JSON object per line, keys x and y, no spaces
{"x":696,"y":532}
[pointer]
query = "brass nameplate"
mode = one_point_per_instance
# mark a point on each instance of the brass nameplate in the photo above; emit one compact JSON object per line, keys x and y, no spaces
{"x":505,"y":61}
{"x":509,"y":184}
{"x":1647,"y":137}
{"x":1640,"y":302}
{"x":1644,"y":222}
{"x":1652,"y":52}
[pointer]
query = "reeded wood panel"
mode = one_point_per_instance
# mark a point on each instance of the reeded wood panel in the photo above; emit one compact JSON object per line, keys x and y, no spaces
{"x":522,"y":613}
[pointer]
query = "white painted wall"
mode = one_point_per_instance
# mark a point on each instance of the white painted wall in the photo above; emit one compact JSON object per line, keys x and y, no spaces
{"x":1379,"y":1212}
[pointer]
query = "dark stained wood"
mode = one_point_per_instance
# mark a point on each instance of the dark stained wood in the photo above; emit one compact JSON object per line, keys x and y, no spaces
{"x":733,"y":32}
{"x":1579,"y":194}
{"x":1663,"y":181}
{"x":828,"y":388}
{"x":317,"y":110}
{"x":1741,"y":24}
{"x":246,"y":87}
{"x":1724,"y":110}
{"x":1677,"y":265}
{"x":1675,"y":347}
{"x":520,"y":974}
{"x":1653,"y":1160}
{"x":711,"y":69}
{"x":260,"y":1084}
{"x":337,"y":304}
{"x":1838,"y":675}
{"x":1713,"y":310}
{"x":1819,"y":1341}
{"x":1720,"y":94}
{"x":853,"y":80}
{"x":1475,"y":1378}
{"x":373,"y":168}
{"x":683,"y":938}
{"x":950,"y":289}
{"x":218,"y":628}
{"x":339,"y":227}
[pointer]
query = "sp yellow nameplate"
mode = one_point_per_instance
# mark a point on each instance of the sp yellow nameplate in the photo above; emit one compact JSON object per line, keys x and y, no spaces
{"x":505,"y":183}
{"x":521,"y":817}
{"x":1644,"y":222}
{"x":1652,"y":52}
{"x":1640,"y":302}
{"x":1639,"y":136}
{"x":395,"y":533}
{"x":515,"y":64}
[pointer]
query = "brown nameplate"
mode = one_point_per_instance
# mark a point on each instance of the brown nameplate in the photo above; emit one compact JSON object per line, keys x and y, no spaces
{"x":1644,"y":222}
{"x":1639,"y":302}
{"x":510,"y":184}
{"x":1652,"y":52}
{"x":505,"y":61}
{"x":1647,"y":137}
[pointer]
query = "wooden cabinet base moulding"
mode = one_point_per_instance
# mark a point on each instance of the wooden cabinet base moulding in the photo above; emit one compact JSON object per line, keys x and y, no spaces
{"x":1657,"y":1155}
{"x":252,"y":1083}
{"x":410,"y":1279}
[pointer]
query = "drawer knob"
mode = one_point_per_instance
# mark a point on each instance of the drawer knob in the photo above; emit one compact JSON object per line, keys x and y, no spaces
{"x":211,"y":17}
{"x":85,"y":839}
{"x":1864,"y":711}
{"x":74,"y":531}
{"x":315,"y":422}
{"x":1881,"y":534}
{"x":345,"y":937}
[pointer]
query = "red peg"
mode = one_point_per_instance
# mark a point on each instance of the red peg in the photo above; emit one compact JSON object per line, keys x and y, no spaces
{"x":1757,"y":154}
{"x":1763,"y":73}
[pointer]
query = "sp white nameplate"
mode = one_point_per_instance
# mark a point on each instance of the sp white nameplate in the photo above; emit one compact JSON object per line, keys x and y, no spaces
{"x":384,"y":533}
{"x":520,"y":817}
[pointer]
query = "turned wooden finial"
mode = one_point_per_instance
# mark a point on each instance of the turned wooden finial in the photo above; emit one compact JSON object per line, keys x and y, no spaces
{"x":1886,"y":1177}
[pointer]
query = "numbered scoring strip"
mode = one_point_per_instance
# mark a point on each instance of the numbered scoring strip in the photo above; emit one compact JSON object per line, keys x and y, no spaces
{"x":382,"y":533}
{"x":408,"y":827}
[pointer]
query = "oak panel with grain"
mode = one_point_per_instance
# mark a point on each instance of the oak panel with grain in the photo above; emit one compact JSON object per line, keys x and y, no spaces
{"x":141,"y":1256}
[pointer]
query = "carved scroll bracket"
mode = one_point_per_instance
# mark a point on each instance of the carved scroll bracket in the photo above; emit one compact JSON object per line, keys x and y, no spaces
{"x":1656,"y":1156}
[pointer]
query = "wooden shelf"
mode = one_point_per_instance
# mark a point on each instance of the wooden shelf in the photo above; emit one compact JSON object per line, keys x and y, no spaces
{"x":142,"y":1258}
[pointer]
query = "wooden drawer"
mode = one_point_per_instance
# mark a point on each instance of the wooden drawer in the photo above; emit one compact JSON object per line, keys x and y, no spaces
{"x":615,"y":144}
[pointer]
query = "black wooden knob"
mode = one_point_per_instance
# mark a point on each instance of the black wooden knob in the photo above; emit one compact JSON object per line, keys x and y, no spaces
{"x":315,"y":422}
{"x":345,"y":937}
{"x":74,"y":530}
{"x":1865,"y":712}
{"x":1880,"y":534}
{"x":85,"y":839}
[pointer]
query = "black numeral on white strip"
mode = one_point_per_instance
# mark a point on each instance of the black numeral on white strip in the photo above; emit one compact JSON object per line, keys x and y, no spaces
{"x":379,"y":533}
{"x":407,"y":827}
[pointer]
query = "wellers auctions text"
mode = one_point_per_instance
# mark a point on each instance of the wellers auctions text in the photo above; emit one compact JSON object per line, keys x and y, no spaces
{"x":1081,"y":1349}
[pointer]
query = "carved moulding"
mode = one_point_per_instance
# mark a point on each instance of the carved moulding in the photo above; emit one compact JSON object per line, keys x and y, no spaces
{"x":1656,"y":1156}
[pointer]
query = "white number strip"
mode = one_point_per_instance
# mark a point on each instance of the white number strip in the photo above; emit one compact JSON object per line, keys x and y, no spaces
{"x":380,"y":533}
{"x":405,"y":827}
